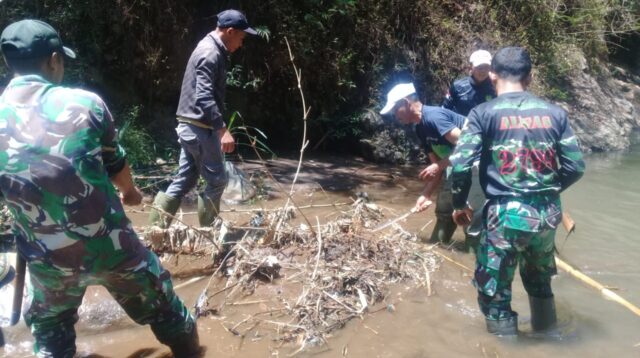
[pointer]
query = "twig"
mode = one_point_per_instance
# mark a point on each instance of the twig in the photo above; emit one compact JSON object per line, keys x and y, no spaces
{"x":452,"y":260}
{"x":338,"y":301}
{"x":371,"y":329}
{"x":319,"y":234}
{"x":427,"y":278}
{"x":305,"y":142}
{"x":189,"y":282}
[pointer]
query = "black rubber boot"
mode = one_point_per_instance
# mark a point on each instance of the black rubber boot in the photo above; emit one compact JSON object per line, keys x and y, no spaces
{"x":471,"y":243}
{"x":503,"y":327}
{"x":208,"y":210}
{"x":187,"y":345}
{"x":168,"y":205}
{"x":543,"y":313}
{"x":443,"y":231}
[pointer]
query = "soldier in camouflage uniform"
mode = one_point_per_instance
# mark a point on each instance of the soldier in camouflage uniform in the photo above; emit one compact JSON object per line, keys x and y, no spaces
{"x":528,"y":155}
{"x":59,"y":156}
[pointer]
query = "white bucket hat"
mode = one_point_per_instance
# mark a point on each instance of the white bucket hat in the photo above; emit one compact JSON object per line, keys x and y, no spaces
{"x":397,"y":93}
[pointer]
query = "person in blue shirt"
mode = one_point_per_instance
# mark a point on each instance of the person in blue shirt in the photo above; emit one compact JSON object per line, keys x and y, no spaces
{"x":470,"y":91}
{"x":438,"y":130}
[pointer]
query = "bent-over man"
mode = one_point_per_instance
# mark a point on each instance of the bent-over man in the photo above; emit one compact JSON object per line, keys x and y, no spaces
{"x":438,"y":130}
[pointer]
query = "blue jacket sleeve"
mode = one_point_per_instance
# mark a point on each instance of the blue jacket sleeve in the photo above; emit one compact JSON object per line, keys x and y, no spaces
{"x":467,"y":151}
{"x":450,"y":98}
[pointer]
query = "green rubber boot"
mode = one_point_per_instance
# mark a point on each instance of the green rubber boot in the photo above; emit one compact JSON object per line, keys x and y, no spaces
{"x":543,"y":313}
{"x":503,"y":327}
{"x":208,"y":210}
{"x":443,"y":231}
{"x":167,"y":204}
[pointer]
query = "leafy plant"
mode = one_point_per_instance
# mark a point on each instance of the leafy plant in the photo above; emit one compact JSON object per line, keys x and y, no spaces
{"x":248,"y":136}
{"x":136,"y":141}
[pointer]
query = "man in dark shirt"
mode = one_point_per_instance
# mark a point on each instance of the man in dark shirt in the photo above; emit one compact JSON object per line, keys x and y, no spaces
{"x":528,"y":155}
{"x":468,"y":92}
{"x":438,"y":130}
{"x":202,"y":132}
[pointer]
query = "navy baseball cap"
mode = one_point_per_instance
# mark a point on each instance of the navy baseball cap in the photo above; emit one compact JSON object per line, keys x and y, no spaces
{"x":235,"y":19}
{"x":32,"y":39}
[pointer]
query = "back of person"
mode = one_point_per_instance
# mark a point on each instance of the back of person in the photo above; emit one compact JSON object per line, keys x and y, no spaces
{"x":528,"y":155}
{"x":434,"y":124}
{"x":522,"y":134}
{"x":52,"y":173}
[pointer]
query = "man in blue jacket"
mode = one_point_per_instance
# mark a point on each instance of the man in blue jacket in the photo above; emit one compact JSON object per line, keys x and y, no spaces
{"x":470,"y":91}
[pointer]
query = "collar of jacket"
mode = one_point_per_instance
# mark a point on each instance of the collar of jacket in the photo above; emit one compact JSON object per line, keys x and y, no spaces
{"x":218,"y":41}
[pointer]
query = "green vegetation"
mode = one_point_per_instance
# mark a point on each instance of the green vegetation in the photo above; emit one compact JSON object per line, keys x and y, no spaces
{"x":133,"y":53}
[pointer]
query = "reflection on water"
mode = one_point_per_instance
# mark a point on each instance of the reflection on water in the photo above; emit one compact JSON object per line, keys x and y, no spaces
{"x":605,"y":246}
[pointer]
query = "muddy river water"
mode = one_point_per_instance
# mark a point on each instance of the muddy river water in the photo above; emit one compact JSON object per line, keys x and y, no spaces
{"x":606,"y":246}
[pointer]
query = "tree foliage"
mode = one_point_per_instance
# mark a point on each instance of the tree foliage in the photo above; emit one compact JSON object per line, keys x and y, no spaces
{"x":133,"y":52}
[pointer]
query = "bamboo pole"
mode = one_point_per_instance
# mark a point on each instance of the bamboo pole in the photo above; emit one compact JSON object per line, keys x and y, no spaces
{"x":570,"y":226}
{"x":607,"y":293}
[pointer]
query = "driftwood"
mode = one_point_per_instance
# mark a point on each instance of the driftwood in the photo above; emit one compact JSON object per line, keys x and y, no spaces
{"x":337,"y":272}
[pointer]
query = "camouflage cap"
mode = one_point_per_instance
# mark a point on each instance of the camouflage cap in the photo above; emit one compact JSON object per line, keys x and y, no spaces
{"x":31,"y":39}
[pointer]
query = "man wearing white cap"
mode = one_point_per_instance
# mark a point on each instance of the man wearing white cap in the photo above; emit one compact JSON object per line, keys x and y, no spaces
{"x":438,"y":130}
{"x":468,"y":92}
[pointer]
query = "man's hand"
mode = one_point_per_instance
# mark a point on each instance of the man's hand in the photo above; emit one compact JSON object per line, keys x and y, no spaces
{"x":422,"y":203}
{"x":228,"y":144}
{"x":462,"y":217}
{"x":430,"y":172}
{"x":132,"y":197}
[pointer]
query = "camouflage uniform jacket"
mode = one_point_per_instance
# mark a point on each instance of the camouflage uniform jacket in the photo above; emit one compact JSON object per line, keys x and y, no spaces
{"x":525,"y":146}
{"x":58,"y":147}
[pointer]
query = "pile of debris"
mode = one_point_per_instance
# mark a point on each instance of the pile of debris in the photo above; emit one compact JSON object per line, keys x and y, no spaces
{"x":339,"y":270}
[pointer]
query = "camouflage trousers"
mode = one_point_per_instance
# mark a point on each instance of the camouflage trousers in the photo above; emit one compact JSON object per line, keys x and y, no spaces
{"x":139,"y":284}
{"x":516,"y":232}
